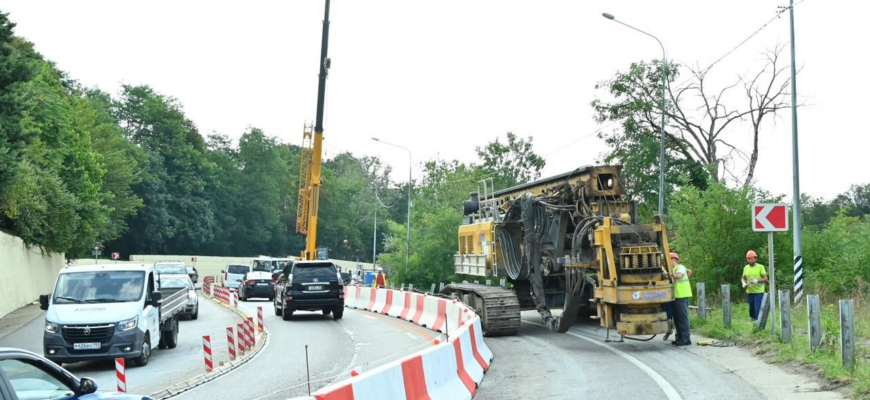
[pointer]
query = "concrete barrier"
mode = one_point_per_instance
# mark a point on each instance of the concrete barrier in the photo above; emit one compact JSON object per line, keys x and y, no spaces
{"x":28,"y":272}
{"x":449,"y":370}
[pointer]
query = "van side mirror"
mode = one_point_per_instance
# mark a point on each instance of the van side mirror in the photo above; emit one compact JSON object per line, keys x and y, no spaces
{"x":43,"y":302}
{"x":222,"y":271}
{"x":156,"y":297}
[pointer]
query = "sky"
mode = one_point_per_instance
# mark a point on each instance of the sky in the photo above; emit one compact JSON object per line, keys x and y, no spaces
{"x":442,"y":77}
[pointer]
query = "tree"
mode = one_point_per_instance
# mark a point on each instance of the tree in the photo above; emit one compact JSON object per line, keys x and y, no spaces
{"x":512,"y":163}
{"x":700,"y":144}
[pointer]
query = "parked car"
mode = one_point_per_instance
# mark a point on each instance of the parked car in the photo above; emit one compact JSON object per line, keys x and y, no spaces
{"x":310,"y":286}
{"x":193,"y":274}
{"x":170,"y":268}
{"x":233,"y":275}
{"x":257,"y":284}
{"x":183,"y":282}
{"x":25,"y":375}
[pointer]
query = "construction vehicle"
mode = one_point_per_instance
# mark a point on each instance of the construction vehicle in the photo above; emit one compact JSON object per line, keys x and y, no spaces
{"x":571,"y":241}
{"x":307,"y":208}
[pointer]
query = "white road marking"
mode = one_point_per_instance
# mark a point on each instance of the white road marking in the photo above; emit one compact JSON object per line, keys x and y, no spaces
{"x":666,"y":387}
{"x":372,"y":318}
{"x":412,"y":336}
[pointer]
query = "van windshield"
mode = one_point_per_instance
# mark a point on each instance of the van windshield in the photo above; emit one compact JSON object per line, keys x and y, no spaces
{"x":99,"y":287}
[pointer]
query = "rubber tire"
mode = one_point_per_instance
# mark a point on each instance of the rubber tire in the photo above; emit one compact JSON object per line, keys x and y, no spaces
{"x":286,"y":314}
{"x":195,"y":312}
{"x":278,"y":311}
{"x":338,"y":312}
{"x":326,"y":311}
{"x":242,"y":298}
{"x":172,"y":338}
{"x":142,"y":359}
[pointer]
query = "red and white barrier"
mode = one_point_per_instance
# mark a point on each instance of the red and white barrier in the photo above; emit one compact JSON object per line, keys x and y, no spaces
{"x":378,"y":300}
{"x":410,"y":298}
{"x":252,"y":340}
{"x":206,"y":353}
{"x":417,"y":312}
{"x":240,"y":343}
{"x":260,"y":321}
{"x":231,"y":343}
{"x":121,"y":375}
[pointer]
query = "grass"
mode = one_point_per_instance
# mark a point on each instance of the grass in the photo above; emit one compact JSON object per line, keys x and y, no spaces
{"x":826,"y":360}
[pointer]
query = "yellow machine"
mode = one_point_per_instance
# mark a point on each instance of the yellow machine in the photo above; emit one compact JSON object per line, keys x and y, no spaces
{"x":307,"y":207}
{"x":570,"y":241}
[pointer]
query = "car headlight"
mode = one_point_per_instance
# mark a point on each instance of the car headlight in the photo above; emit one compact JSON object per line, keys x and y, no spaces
{"x":126,"y":325}
{"x":51,"y":327}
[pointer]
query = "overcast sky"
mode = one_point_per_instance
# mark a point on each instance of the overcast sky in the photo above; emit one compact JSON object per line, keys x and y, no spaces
{"x":441,"y":77}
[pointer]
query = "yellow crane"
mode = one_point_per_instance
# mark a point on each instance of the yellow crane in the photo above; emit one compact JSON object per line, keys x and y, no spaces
{"x":307,"y":208}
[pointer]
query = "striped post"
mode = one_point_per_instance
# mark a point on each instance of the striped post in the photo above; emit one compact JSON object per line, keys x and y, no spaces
{"x":231,"y":343}
{"x":240,"y":343}
{"x":251,"y":337}
{"x":121,"y":375}
{"x":206,"y":353}
{"x":260,"y":319}
{"x":798,"y":274}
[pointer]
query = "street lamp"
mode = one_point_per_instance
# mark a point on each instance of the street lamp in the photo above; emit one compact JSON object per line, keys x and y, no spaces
{"x":664,"y":83}
{"x":410,"y":164}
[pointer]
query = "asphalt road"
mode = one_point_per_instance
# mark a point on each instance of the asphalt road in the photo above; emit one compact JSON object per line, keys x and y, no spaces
{"x":165,"y":368}
{"x":539,"y":364}
{"x":359,"y":339}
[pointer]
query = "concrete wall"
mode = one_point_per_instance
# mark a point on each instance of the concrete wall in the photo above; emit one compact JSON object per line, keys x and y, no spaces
{"x":206,"y":265}
{"x":25,"y":273}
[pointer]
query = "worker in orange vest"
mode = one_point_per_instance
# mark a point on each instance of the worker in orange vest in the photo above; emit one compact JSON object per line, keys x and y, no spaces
{"x":381,"y":280}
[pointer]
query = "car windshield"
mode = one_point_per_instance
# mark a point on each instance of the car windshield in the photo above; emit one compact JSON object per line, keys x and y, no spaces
{"x":175,"y":283}
{"x":238,"y":269}
{"x":99,"y":287}
{"x":281,"y":264}
{"x":263,"y":265}
{"x":170,"y":269}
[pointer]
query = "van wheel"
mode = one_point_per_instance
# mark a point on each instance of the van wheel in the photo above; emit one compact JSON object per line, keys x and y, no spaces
{"x":172,"y":337}
{"x":195,"y":312}
{"x":145,"y":355}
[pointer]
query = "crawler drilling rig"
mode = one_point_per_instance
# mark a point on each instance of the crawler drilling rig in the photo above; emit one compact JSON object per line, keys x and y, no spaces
{"x":571,"y":241}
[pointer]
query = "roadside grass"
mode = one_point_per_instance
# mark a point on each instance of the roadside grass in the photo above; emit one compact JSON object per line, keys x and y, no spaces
{"x":825,"y":362}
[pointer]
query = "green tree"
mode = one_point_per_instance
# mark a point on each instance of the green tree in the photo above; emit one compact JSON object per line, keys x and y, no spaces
{"x":510,"y":163}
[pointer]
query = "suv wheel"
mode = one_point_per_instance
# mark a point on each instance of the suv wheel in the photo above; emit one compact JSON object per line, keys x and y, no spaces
{"x":286,"y":314}
{"x":338,"y":312}
{"x":326,"y":311}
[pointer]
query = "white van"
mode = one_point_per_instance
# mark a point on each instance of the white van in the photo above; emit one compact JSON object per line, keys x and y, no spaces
{"x":109,"y":311}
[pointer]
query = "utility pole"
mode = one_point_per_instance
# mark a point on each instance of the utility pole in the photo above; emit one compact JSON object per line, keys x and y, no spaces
{"x":796,"y":214}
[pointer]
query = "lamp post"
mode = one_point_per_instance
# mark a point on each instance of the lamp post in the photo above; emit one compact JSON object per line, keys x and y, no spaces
{"x":410,"y":164}
{"x":664,"y":84}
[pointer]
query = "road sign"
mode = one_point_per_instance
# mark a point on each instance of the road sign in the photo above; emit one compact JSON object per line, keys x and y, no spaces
{"x":770,"y":217}
{"x":116,"y":256}
{"x":193,"y":259}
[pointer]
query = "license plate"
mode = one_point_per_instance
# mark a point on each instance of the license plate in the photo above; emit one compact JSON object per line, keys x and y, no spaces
{"x":315,"y":288}
{"x":86,"y":346}
{"x":262,"y":284}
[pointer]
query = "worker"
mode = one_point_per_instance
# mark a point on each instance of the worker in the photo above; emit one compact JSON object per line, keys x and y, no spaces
{"x":682,"y":294}
{"x":380,"y":279}
{"x":754,"y":278}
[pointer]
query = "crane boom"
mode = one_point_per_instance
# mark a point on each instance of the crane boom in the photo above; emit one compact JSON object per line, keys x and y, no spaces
{"x":311,"y":159}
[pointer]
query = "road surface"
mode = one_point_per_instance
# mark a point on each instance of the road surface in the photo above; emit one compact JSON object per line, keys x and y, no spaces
{"x":360,"y":338}
{"x":165,"y":366}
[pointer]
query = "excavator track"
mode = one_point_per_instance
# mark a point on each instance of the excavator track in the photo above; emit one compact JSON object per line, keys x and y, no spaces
{"x":498,"y":307}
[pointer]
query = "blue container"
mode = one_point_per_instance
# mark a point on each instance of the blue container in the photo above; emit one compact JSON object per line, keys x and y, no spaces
{"x":369,"y":278}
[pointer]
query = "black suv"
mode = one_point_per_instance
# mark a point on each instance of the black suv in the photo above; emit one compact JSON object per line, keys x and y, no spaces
{"x":310,"y":286}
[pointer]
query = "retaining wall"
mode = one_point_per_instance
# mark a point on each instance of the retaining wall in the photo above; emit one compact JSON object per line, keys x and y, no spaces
{"x":26,"y":273}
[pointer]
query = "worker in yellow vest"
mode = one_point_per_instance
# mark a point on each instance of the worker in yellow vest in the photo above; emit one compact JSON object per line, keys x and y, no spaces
{"x":754,"y":278}
{"x":682,"y":294}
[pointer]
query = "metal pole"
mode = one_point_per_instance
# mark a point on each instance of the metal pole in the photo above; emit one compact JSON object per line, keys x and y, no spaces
{"x":796,"y":215}
{"x":772,"y":283}
{"x":662,"y":130}
{"x":408,"y":244}
{"x":375,"y":238}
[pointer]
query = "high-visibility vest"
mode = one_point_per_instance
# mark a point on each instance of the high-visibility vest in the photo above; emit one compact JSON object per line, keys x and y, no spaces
{"x":380,"y":280}
{"x":682,"y":287}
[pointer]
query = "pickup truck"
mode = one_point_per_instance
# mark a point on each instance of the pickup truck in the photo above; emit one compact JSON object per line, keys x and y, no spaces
{"x":110,"y":311}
